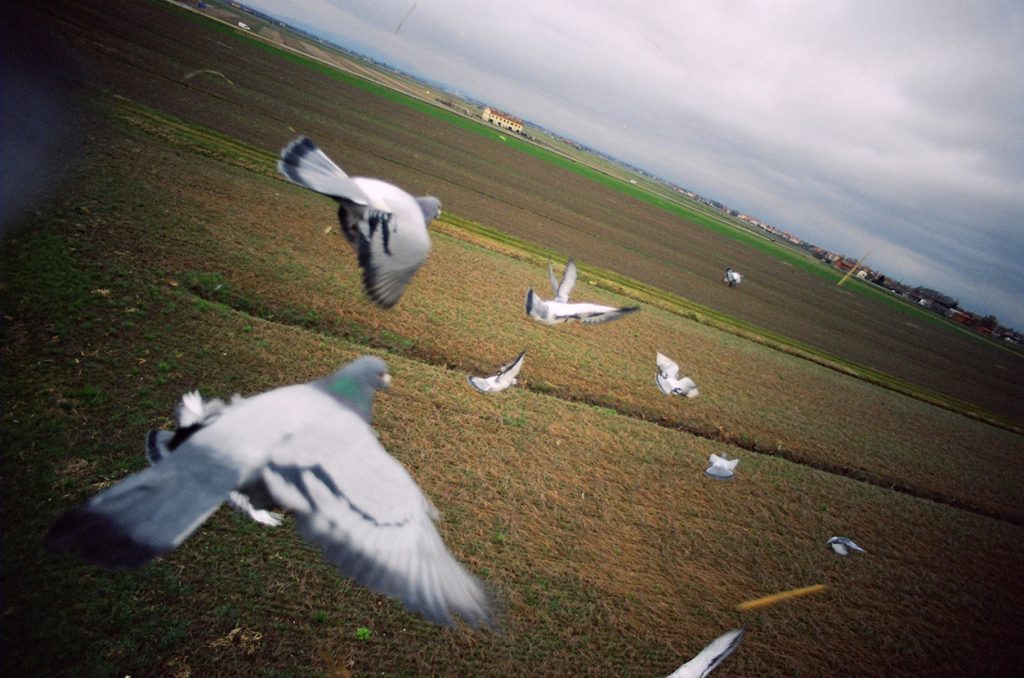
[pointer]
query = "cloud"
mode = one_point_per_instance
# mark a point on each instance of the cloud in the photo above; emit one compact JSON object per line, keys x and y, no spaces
{"x":851,"y":124}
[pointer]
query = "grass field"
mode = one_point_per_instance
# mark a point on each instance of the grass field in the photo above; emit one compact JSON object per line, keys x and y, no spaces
{"x":174,"y":258}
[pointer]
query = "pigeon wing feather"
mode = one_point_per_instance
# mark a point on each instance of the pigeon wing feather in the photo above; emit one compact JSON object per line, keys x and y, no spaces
{"x":360,"y":505}
{"x":303,"y":163}
{"x":148,"y":513}
{"x":708,"y":659}
{"x":568,"y":282}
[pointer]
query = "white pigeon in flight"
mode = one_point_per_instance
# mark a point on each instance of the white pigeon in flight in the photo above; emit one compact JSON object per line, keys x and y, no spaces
{"x":843,"y":545}
{"x":669,"y":381}
{"x":560,"y":310}
{"x":722,"y":467}
{"x":711,"y":656}
{"x":193,"y":414}
{"x":386,"y":226}
{"x":732,"y":278}
{"x":308,"y":448}
{"x":505,"y":377}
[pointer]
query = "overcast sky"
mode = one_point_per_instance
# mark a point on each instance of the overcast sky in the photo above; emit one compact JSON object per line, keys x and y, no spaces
{"x":894,"y":127}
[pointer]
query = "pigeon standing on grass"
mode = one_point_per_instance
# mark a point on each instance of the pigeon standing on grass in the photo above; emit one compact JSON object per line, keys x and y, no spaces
{"x":308,"y":448}
{"x":386,"y":226}
{"x":669,"y":381}
{"x":843,"y":545}
{"x":560,"y":310}
{"x":732,"y":278}
{"x":711,"y":656}
{"x":722,"y":467}
{"x":505,"y":377}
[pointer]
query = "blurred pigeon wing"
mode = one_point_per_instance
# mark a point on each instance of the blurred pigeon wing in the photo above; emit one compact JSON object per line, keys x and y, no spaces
{"x":595,"y":317}
{"x":148,"y":513}
{"x":393,"y":242}
{"x":303,"y":163}
{"x":481,"y":383}
{"x":157,"y":445}
{"x":686,"y":387}
{"x":551,"y":277}
{"x":510,"y":370}
{"x":711,"y":656}
{"x":667,"y":366}
{"x":370,"y":518}
{"x":535,"y":306}
{"x":568,"y":282}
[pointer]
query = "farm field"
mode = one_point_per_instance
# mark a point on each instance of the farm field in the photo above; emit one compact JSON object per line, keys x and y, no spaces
{"x":266,"y":96}
{"x":175,"y":258}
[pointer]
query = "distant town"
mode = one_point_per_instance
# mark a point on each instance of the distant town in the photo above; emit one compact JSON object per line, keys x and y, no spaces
{"x":932,"y":300}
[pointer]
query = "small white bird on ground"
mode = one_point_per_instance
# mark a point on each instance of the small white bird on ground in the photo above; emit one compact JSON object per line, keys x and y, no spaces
{"x":669,"y":381}
{"x":386,"y":226}
{"x":721,"y":467}
{"x":560,"y":310}
{"x":732,"y":278}
{"x":843,"y":545}
{"x":308,"y":448}
{"x":711,"y":656}
{"x":505,"y":377}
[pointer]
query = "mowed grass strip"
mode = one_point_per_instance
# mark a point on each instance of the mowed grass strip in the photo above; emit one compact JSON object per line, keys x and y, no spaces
{"x":257,"y":244}
{"x":611,"y":552}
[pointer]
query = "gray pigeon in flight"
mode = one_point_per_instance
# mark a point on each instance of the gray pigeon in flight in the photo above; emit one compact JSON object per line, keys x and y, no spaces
{"x":386,"y":226}
{"x":843,"y":545}
{"x":505,"y":377}
{"x":668,"y":378}
{"x":722,"y":467}
{"x":711,"y":656}
{"x":193,"y":414}
{"x":309,"y":449}
{"x":560,"y":310}
{"x":732,"y":278}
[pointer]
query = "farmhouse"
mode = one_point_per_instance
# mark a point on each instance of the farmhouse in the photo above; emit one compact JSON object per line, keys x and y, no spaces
{"x":502,"y":119}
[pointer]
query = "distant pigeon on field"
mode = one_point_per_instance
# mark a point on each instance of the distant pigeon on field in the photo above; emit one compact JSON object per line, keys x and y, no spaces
{"x":732,"y":278}
{"x":308,"y":448}
{"x":711,"y":656}
{"x":193,"y":414}
{"x":505,"y":377}
{"x":843,"y":545}
{"x":669,"y":381}
{"x":560,"y":310}
{"x":721,"y":467}
{"x":386,"y":226}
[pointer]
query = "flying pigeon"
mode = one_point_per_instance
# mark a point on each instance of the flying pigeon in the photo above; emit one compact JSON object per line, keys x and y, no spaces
{"x":193,"y":414}
{"x":843,"y":545}
{"x":732,"y":278}
{"x":505,"y":377}
{"x":386,"y":226}
{"x":711,"y":656}
{"x":721,"y":467}
{"x":308,"y":448}
{"x":560,"y":310}
{"x":669,"y":381}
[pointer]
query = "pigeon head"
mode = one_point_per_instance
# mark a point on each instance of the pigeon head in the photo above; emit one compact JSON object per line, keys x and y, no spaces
{"x":356,"y":383}
{"x":431,"y":207}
